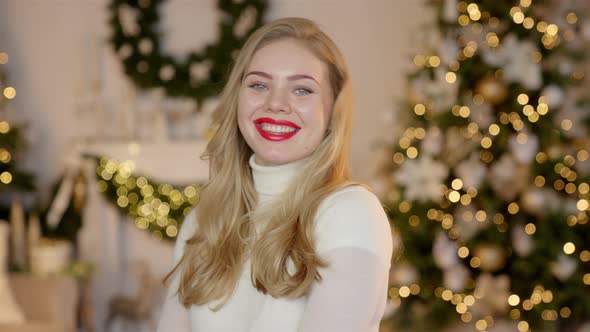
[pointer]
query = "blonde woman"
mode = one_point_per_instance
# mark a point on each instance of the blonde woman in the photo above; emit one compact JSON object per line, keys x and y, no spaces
{"x":281,"y":240}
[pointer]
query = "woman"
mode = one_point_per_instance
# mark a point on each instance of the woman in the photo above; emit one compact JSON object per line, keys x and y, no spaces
{"x":281,"y":239}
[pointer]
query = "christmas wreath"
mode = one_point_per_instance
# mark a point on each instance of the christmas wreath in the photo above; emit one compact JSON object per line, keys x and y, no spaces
{"x":136,"y":40}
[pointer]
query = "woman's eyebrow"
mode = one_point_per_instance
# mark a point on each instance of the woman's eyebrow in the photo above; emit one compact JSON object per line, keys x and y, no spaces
{"x":290,"y":78}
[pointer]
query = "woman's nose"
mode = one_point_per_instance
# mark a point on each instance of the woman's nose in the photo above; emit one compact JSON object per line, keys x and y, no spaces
{"x":277,"y":101}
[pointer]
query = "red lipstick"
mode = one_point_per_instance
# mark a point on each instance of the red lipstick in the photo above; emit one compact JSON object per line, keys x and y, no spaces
{"x":275,"y":136}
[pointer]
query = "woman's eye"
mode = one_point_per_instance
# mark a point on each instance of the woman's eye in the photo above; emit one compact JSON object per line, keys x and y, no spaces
{"x":303,"y":91}
{"x":257,"y":86}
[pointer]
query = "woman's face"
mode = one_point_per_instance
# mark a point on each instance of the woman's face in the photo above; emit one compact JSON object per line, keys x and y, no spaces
{"x":285,"y":103}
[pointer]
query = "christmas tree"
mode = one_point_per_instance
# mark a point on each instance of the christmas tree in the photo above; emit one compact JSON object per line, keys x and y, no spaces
{"x":490,"y":185}
{"x":12,"y":179}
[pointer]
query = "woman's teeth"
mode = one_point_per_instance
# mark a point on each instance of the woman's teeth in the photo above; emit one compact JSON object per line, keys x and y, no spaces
{"x":276,"y":129}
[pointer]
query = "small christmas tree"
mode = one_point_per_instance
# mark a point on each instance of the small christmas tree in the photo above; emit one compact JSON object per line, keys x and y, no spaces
{"x":12,"y":179}
{"x":491,"y":178}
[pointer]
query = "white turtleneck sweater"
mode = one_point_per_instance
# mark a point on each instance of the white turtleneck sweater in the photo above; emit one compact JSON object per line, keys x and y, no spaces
{"x":352,"y":234}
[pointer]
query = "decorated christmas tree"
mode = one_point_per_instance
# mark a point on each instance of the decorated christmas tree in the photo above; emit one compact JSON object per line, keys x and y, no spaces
{"x":12,"y":179}
{"x":490,"y":178}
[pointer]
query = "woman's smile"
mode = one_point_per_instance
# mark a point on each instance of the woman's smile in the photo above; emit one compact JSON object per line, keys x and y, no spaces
{"x":276,"y":130}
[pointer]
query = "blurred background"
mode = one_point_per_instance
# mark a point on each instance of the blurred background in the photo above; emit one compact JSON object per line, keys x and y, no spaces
{"x":471,"y":124}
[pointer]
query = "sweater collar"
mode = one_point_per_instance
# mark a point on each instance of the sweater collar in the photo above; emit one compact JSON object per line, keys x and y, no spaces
{"x":273,"y":180}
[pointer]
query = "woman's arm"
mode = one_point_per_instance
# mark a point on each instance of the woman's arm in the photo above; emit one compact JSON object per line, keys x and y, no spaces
{"x":174,"y":316}
{"x":351,"y":296}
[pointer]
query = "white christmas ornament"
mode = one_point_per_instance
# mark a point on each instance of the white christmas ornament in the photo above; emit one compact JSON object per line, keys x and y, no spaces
{"x":441,"y":94}
{"x":422,"y":178}
{"x":471,"y":171}
{"x":494,"y":294}
{"x":448,"y":50}
{"x":507,"y":178}
{"x":515,"y":56}
{"x":554,"y":95}
{"x":524,"y":147}
{"x":455,"y":277}
{"x":467,"y":225}
{"x":564,"y":267}
{"x":482,"y":114}
{"x":432,"y":143}
{"x":521,"y":241}
{"x":403,"y":274}
{"x":444,"y":252}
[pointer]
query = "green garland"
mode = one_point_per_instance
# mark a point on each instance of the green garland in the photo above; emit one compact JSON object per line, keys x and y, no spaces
{"x":157,"y":208}
{"x":202,"y":74}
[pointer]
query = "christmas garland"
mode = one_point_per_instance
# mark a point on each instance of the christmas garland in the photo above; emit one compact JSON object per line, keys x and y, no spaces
{"x":157,"y":208}
{"x":136,"y":40}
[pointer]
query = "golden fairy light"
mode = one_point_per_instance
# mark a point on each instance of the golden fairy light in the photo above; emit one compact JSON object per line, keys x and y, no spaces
{"x":569,"y":248}
{"x":6,"y":177}
{"x":3,"y":58}
{"x":9,"y":92}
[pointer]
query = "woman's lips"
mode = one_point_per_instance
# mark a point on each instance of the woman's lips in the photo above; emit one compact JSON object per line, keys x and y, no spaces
{"x":275,"y":136}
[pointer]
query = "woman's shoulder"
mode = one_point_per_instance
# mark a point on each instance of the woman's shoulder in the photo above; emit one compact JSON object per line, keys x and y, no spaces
{"x":353,"y":217}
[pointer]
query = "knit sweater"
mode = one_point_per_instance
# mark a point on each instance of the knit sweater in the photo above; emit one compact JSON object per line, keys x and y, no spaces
{"x":352,"y":233}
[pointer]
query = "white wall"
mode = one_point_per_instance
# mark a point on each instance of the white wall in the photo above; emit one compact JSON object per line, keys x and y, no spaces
{"x":55,"y":46}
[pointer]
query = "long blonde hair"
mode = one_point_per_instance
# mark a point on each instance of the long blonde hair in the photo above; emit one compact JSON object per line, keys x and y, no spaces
{"x":213,"y":258}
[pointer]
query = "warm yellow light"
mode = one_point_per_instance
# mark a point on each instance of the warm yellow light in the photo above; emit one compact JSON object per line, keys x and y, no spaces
{"x":582,"y":205}
{"x":586,"y":279}
{"x":515,"y":313}
{"x":464,"y":111}
{"x":528,"y":23}
{"x":525,"y":3}
{"x":419,"y":109}
{"x":447,"y":295}
{"x":171,"y":231}
{"x":6,"y":177}
{"x":463,"y":252}
{"x":412,"y":152}
{"x":486,"y":142}
{"x":481,"y":325}
{"x":461,"y":308}
{"x":3,"y":58}
{"x":5,"y":127}
{"x":9,"y":92}
{"x":542,"y":108}
{"x":552,"y":29}
{"x":434,"y":61}
{"x":565,"y":312}
{"x":530,"y":228}
{"x":566,"y":124}
{"x":513,"y":300}
{"x":571,"y":18}
{"x":522,"y":99}
{"x":582,"y":155}
{"x":542,"y":26}
{"x":420,"y":60}
{"x":494,"y":129}
{"x":457,"y":184}
{"x":404,"y":291}
{"x":513,"y":208}
{"x":398,"y":158}
{"x":414,"y":289}
{"x":463,"y":20}
{"x":523,"y":326}
{"x":539,"y":181}
{"x":451,"y":77}
{"x":569,"y":248}
{"x":518,"y":17}
{"x":492,"y":39}
{"x":475,"y":262}
{"x":528,"y":110}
